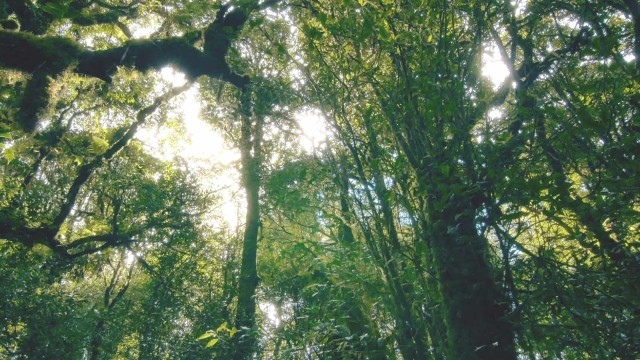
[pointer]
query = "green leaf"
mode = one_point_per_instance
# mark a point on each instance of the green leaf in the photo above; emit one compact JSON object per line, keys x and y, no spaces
{"x":208,"y":334}
{"x":58,"y":10}
{"x":9,"y":154}
{"x":212,"y":342}
{"x":313,"y":32}
{"x":98,"y":145}
{"x":222,"y":326}
{"x":233,"y":331}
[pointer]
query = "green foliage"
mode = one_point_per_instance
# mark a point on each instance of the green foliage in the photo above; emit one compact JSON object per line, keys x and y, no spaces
{"x":445,"y":217}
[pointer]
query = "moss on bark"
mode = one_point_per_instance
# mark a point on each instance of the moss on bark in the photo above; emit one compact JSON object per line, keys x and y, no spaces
{"x":46,"y":57}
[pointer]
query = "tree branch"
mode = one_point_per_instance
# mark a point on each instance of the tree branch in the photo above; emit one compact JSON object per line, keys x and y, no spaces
{"x":87,"y":169}
{"x":17,"y":230}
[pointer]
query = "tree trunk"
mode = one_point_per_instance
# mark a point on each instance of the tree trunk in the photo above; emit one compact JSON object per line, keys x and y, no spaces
{"x":475,"y":314}
{"x":250,"y":158}
{"x":96,"y":339}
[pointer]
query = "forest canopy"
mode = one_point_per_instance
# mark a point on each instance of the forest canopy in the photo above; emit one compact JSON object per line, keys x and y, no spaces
{"x":306,"y":179}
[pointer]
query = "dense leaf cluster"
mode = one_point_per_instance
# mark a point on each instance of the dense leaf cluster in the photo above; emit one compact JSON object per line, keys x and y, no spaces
{"x":448,"y":214}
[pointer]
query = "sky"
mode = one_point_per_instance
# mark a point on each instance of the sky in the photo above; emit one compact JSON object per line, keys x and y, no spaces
{"x":206,"y":152}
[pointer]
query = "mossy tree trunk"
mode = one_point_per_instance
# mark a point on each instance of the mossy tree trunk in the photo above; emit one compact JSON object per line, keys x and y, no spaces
{"x":250,"y":157}
{"x":474,"y":311}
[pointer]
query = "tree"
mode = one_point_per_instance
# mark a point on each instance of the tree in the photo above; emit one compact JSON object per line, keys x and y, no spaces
{"x":431,"y":133}
{"x":411,"y":71}
{"x":448,"y":214}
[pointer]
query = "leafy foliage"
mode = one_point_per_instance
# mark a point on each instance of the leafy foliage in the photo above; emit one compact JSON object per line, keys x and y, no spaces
{"x":447,"y":215}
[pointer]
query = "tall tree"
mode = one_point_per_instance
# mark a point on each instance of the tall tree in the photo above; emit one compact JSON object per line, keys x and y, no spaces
{"x":430,"y":115}
{"x":449,"y":214}
{"x":251,"y":159}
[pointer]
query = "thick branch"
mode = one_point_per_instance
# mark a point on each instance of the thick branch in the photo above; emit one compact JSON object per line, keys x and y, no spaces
{"x":30,"y":53}
{"x":46,"y":57}
{"x":144,"y":55}
{"x":115,"y":241}
{"x":16,"y":231}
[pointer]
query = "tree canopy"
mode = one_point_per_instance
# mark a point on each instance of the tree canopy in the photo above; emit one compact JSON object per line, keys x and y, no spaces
{"x":470,"y":191}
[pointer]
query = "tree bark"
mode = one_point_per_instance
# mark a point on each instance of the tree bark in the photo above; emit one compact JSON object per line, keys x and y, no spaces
{"x":250,"y":158}
{"x":475,"y":314}
{"x":47,"y":57}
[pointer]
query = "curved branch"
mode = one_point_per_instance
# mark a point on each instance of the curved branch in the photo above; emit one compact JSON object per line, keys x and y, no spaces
{"x":144,"y":55}
{"x":31,"y":53}
{"x":17,"y":230}
{"x":87,"y":169}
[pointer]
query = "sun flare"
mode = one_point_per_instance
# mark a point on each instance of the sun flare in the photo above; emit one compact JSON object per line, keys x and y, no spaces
{"x":201,"y":147}
{"x":313,"y":129}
